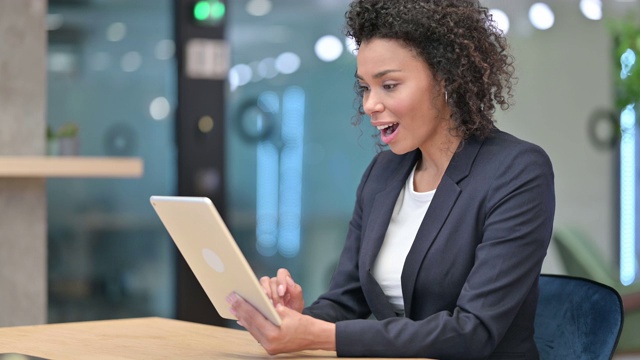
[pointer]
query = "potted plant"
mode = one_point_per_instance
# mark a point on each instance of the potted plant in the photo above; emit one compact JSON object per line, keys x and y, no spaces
{"x":52,"y":141}
{"x":68,"y":141}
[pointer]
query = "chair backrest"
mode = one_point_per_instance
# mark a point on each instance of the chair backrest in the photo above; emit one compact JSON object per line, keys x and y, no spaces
{"x":580,"y":256}
{"x":577,"y":319}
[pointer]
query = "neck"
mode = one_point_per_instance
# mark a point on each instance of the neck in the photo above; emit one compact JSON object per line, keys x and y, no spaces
{"x":434,"y":162}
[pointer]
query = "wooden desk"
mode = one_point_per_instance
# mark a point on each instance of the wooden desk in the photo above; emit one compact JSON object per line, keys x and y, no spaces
{"x":143,"y":338}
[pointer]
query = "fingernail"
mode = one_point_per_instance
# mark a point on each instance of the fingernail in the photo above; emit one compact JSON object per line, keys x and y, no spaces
{"x":281,"y":290}
{"x":231,"y":298}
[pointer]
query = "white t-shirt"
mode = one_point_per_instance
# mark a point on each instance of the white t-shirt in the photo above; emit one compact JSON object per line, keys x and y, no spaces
{"x":407,"y":216}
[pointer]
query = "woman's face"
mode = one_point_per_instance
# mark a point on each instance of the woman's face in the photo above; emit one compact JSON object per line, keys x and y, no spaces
{"x":401,"y":96}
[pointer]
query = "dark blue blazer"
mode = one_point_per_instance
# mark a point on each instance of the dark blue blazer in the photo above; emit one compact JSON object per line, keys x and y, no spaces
{"x":470,"y":280}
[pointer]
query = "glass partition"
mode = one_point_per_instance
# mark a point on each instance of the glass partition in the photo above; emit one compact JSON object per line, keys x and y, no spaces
{"x":294,"y":159}
{"x":111,"y":75}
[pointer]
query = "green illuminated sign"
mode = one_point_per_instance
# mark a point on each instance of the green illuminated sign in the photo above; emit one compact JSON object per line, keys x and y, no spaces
{"x":201,"y":10}
{"x":209,"y":11}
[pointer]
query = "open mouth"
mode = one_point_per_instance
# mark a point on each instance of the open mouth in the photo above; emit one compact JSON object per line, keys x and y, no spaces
{"x":387,"y":130}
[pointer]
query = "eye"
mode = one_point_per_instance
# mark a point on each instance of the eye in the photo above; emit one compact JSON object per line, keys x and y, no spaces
{"x":363,"y":88}
{"x":389,"y":86}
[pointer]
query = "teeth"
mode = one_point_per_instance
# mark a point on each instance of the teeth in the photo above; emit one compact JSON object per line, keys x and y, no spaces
{"x":382,"y":127}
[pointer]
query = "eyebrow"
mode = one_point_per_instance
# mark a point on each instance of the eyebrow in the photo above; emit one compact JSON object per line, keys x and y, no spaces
{"x":378,"y":74}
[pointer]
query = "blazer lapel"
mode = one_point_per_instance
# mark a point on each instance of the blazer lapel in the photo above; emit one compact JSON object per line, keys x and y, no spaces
{"x":375,"y":229}
{"x":383,"y":205}
{"x":443,"y":201}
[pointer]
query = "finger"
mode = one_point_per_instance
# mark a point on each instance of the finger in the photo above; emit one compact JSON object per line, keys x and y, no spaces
{"x":276,"y":298}
{"x":248,"y":317}
{"x":265,"y":282}
{"x":283,"y":311}
{"x":282,"y":276}
{"x":296,"y":303}
{"x":291,"y":288}
{"x":284,"y":281}
{"x":270,"y":289}
{"x":294,"y":289}
{"x":292,"y":297}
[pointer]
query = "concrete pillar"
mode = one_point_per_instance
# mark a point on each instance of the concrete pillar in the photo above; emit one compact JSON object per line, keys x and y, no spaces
{"x":23,"y":220}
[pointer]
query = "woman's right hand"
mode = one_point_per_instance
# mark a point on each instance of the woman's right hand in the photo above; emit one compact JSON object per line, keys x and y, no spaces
{"x":283,"y":290}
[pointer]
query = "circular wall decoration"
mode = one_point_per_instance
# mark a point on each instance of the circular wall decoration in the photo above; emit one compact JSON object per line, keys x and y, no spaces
{"x":253,"y":122}
{"x":120,"y":140}
{"x":604,"y":129}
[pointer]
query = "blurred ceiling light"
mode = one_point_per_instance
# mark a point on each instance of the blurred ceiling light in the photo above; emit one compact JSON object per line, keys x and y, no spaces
{"x":351,"y":45}
{"x":258,"y":7}
{"x":159,"y":108}
{"x":267,"y":68}
{"x":131,"y":61}
{"x":255,"y":73}
{"x":54,"y":21}
{"x":501,"y":19}
{"x":116,"y":31}
{"x":233,"y":79}
{"x":541,"y":16}
{"x":287,"y":63}
{"x":239,"y":75}
{"x":61,"y":62}
{"x":591,"y":9}
{"x":328,"y":48}
{"x":165,"y":49}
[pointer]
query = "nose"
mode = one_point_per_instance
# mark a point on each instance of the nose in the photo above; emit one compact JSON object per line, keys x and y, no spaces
{"x":371,"y":103}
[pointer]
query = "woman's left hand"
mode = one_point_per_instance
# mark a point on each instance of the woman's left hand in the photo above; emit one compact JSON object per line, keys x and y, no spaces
{"x":297,"y":332}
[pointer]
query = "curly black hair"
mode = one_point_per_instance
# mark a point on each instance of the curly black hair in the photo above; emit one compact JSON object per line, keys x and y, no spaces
{"x":459,"y":41}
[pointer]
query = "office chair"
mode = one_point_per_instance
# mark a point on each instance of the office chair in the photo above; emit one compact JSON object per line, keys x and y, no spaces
{"x":577,"y":319}
{"x":580,"y":258}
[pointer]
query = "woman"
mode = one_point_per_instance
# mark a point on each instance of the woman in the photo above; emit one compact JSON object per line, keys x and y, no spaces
{"x":451,"y":225}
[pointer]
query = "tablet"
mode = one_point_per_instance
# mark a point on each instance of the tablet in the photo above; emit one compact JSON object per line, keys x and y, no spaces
{"x":207,"y":246}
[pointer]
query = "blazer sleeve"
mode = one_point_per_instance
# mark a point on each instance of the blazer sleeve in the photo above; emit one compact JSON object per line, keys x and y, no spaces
{"x":345,"y":299}
{"x":518,"y":209}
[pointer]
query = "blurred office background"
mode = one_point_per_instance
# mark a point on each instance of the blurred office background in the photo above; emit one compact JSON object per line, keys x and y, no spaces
{"x":292,"y":157}
{"x":112,"y":72}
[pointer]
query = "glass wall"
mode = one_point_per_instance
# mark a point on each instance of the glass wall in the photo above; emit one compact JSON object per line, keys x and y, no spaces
{"x":294,"y":159}
{"x":111,"y":75}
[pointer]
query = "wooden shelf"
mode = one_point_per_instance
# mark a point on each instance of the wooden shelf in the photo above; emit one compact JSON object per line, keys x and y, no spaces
{"x":70,"y":166}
